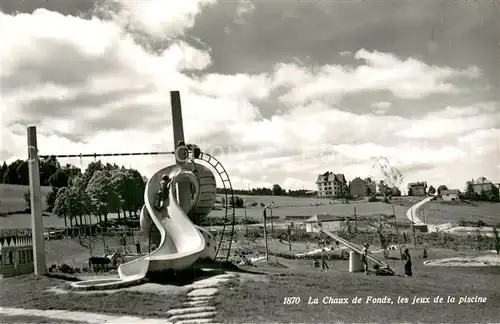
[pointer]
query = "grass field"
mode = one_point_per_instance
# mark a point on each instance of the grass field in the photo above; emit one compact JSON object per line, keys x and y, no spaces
{"x":259,"y":302}
{"x":11,"y":199}
{"x":439,"y":213}
{"x":262,"y":301}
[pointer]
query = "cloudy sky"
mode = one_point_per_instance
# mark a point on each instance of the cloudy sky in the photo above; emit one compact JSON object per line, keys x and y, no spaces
{"x":279,"y":91}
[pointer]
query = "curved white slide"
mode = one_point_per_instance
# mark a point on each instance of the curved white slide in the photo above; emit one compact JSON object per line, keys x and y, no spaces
{"x":182,"y":243}
{"x":411,"y":214}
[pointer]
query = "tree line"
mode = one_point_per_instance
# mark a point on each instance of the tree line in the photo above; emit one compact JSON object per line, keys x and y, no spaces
{"x":276,"y":190}
{"x":76,"y":196}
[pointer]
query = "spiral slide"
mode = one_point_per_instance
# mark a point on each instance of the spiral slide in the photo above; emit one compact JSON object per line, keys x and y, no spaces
{"x":182,"y":243}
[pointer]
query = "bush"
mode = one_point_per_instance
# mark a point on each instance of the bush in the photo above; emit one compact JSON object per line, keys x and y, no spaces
{"x":236,"y":202}
{"x":64,"y":268}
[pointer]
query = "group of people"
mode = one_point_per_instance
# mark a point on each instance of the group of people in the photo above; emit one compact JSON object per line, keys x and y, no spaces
{"x":406,"y":256}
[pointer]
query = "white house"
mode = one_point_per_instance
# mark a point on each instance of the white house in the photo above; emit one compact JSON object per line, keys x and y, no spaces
{"x":328,"y":222}
{"x":481,"y":184}
{"x":450,"y":195}
{"x":331,"y":185}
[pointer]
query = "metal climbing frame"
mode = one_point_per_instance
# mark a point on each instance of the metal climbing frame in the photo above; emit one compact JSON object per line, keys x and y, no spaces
{"x":227,"y":233}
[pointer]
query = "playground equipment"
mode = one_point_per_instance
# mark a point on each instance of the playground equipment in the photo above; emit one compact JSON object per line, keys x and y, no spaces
{"x":355,"y":255}
{"x":180,"y":243}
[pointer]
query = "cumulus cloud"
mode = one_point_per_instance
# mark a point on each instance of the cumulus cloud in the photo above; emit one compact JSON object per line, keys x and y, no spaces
{"x":406,"y":78}
{"x":158,"y":18}
{"x":91,"y":85}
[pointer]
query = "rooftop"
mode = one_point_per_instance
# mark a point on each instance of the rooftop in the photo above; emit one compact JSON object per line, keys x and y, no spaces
{"x":330,"y":176}
{"x":450,"y":192}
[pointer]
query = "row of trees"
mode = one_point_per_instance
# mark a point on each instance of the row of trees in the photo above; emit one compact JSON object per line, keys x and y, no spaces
{"x":77,"y":196}
{"x":276,"y":190}
{"x":100,"y":190}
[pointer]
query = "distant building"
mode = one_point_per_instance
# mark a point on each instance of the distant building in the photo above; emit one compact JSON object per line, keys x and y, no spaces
{"x":371,"y":186}
{"x":328,"y":222}
{"x":357,"y":187}
{"x":331,"y":185}
{"x":450,"y":195}
{"x":417,"y":188}
{"x":481,"y":184}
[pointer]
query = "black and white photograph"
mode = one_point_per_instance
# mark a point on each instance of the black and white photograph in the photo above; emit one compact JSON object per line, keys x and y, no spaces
{"x":249,"y":161}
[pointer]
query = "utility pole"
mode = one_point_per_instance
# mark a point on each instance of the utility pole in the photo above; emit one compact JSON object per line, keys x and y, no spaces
{"x":272,"y":222}
{"x":37,"y":229}
{"x":397,"y":232}
{"x":246,"y":222}
{"x":355,"y":219}
{"x":265,"y":234}
{"x":264,"y":213}
{"x":289,"y":238}
{"x":413,"y":229}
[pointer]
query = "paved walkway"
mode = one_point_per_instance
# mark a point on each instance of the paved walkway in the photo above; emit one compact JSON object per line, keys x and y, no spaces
{"x":79,"y":316}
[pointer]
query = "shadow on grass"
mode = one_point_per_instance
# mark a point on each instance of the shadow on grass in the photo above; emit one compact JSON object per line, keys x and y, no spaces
{"x":202,"y":269}
{"x":62,"y":276}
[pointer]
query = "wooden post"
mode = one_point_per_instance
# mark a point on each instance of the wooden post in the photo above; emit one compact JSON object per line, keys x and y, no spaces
{"x":397,"y":232}
{"x":355,"y":219}
{"x":289,"y":238}
{"x":272,"y":223}
{"x":246,"y":222}
{"x":183,"y":188}
{"x":265,"y":234}
{"x":413,"y":228}
{"x":36,"y":204}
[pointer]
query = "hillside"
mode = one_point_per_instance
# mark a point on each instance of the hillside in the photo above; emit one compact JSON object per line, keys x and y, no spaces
{"x":11,"y":197}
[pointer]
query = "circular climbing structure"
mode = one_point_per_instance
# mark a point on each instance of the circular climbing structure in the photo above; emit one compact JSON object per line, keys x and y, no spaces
{"x":206,"y":202}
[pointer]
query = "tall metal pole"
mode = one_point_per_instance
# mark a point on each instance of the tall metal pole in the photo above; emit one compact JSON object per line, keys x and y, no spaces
{"x":246,"y":222}
{"x":355,"y":219}
{"x":265,"y":233}
{"x":184,"y":189}
{"x":397,"y":232}
{"x":272,"y":222}
{"x":36,"y":204}
{"x":413,"y":228}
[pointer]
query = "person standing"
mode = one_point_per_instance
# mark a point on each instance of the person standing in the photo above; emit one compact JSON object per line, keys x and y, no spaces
{"x":364,"y":257}
{"x":138,"y":247}
{"x":324,"y":265}
{"x":407,"y":259}
{"x":123,"y":242}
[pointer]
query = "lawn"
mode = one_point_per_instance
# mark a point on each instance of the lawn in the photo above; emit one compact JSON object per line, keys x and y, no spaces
{"x":12,"y":197}
{"x":439,"y":213}
{"x":259,"y":302}
{"x":12,"y":200}
{"x":363,"y":208}
{"x":32,"y":292}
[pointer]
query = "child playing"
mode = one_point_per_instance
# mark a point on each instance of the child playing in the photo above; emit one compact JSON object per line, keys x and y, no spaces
{"x":163,"y":191}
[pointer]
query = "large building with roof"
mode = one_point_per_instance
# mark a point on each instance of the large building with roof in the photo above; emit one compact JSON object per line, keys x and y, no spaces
{"x":330,"y":184}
